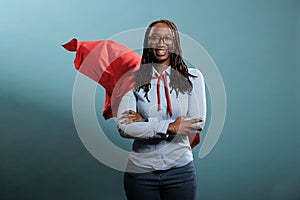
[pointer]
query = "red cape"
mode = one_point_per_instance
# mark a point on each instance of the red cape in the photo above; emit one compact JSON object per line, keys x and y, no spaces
{"x":107,"y":62}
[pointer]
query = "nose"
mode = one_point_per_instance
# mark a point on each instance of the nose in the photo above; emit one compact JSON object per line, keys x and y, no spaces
{"x":161,"y":42}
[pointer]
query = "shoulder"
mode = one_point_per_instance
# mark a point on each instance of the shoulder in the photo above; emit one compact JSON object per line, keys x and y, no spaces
{"x":195,"y":72}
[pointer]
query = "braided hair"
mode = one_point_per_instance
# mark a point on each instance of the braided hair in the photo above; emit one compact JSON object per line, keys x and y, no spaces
{"x":179,"y":77}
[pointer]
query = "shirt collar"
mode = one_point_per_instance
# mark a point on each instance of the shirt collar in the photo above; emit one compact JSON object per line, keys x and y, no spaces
{"x":166,"y":71}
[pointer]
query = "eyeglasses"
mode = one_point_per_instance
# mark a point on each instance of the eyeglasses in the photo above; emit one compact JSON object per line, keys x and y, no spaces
{"x":156,"y":39}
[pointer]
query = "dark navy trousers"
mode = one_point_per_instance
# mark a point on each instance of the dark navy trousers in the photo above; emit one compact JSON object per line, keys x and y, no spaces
{"x":172,"y":184}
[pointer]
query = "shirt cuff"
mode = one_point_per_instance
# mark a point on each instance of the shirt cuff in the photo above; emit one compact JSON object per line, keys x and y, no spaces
{"x":161,"y":128}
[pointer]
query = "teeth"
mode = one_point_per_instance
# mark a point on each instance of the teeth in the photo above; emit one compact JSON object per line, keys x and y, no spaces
{"x":161,"y":52}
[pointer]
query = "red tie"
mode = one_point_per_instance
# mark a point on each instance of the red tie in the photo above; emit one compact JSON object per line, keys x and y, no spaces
{"x":164,"y":76}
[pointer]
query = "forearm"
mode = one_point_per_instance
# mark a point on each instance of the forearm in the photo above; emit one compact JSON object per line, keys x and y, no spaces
{"x":153,"y":128}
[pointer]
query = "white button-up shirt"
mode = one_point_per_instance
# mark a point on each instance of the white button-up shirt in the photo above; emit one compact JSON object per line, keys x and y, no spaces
{"x":150,"y":150}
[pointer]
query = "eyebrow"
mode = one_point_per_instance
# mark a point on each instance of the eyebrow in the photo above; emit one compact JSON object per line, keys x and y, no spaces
{"x":156,"y":34}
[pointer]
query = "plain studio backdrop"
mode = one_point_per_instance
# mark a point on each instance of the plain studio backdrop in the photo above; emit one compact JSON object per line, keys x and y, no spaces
{"x":255,"y":45}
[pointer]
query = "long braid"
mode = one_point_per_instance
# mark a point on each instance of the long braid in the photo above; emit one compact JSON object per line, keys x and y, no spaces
{"x":179,"y":78}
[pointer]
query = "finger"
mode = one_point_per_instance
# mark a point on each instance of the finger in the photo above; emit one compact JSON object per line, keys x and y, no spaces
{"x":196,"y":120}
{"x":128,"y":112}
{"x":130,"y":120}
{"x":123,"y":121}
{"x":132,"y":112}
{"x":127,"y":121}
{"x":124,"y":117}
{"x":127,"y":116}
{"x":125,"y":112}
{"x":134,"y":119}
{"x":131,"y":115}
{"x":199,"y":128}
{"x":195,"y":128}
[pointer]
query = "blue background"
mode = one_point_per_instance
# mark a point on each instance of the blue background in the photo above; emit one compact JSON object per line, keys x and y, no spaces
{"x":255,"y":45}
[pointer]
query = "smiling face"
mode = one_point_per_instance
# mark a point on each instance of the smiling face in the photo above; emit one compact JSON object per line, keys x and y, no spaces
{"x":161,"y":42}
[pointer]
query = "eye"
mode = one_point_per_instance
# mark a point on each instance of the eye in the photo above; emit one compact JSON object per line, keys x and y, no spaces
{"x":168,"y":40}
{"x":154,"y":39}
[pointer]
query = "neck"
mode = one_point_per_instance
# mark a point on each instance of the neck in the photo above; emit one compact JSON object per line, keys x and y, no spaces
{"x":160,"y":67}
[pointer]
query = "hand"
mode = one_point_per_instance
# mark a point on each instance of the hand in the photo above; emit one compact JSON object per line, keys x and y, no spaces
{"x":129,"y":116}
{"x":184,"y":127}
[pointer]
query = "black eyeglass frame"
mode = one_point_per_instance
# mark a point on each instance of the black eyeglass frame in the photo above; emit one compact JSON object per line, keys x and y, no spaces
{"x":168,"y":40}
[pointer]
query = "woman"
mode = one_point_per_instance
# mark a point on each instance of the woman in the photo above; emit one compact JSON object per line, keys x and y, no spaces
{"x":166,"y":106}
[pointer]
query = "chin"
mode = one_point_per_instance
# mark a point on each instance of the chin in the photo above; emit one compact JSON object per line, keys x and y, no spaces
{"x":161,"y":59}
